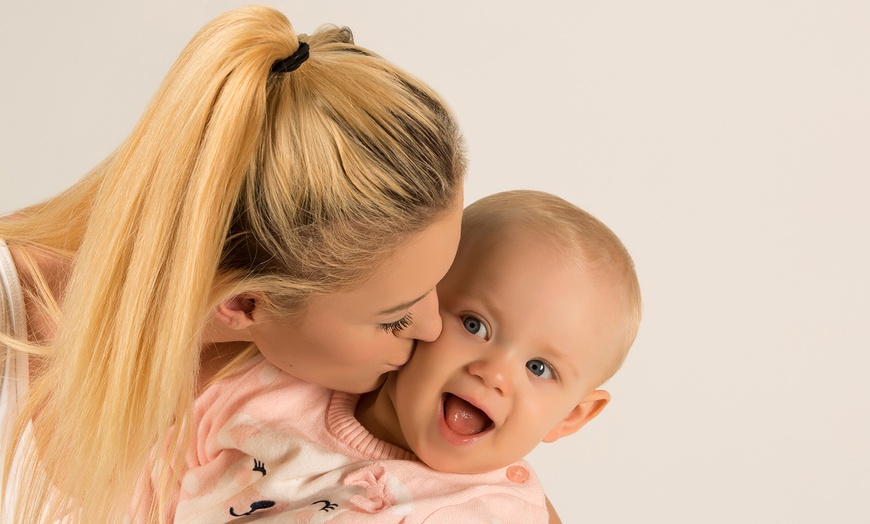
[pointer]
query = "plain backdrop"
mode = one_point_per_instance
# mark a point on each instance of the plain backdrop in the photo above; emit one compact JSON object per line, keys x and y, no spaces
{"x":727,"y":143}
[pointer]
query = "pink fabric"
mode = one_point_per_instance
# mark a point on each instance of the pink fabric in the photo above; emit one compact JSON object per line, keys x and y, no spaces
{"x":282,"y":450}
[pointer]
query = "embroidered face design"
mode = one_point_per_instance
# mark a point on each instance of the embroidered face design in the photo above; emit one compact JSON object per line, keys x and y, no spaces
{"x":526,"y":337}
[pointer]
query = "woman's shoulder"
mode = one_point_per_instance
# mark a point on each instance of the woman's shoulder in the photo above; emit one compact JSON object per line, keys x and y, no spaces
{"x":13,"y":364}
{"x":12,"y":320}
{"x":30,"y":270}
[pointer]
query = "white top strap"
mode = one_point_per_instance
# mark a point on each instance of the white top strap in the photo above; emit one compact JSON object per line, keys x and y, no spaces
{"x":13,"y":364}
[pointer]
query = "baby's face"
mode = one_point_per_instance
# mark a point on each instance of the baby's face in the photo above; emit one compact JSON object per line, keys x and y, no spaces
{"x":524,"y":340}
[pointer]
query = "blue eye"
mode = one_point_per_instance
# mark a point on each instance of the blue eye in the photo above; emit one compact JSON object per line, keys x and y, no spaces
{"x":475,"y":327}
{"x":539,"y":368}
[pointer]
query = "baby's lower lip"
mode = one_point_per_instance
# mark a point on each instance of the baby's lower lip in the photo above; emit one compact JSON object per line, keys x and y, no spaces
{"x":450,"y":435}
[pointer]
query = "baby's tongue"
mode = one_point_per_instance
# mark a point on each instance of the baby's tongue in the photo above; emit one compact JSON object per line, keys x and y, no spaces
{"x":462,"y":418}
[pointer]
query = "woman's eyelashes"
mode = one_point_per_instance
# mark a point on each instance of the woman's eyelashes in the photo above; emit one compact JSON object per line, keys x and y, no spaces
{"x":475,"y":326}
{"x":398,"y":325}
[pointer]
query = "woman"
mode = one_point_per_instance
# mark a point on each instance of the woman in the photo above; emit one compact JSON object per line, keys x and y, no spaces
{"x":298,"y":196}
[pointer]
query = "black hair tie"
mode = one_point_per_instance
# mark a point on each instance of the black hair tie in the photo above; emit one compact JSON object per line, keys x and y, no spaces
{"x":292,"y":62}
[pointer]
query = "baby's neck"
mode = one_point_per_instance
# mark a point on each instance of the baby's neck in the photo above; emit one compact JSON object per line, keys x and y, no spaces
{"x":377,"y":413}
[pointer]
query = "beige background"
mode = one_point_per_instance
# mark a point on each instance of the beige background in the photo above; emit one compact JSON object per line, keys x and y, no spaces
{"x":725,"y":142}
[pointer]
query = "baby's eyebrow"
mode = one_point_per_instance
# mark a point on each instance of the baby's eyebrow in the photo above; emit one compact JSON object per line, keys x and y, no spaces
{"x":402,"y":306}
{"x":562,"y":358}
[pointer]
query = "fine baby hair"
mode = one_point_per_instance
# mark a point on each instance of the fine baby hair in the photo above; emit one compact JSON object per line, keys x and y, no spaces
{"x":236,"y":178}
{"x":583,"y":240}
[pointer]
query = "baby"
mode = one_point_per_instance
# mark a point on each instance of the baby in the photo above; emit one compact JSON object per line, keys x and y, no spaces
{"x":539,"y":309}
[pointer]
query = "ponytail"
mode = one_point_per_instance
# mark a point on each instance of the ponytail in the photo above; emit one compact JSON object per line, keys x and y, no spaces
{"x":122,"y":371}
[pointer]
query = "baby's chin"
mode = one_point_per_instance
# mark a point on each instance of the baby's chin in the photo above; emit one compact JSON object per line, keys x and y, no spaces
{"x":457,"y":464}
{"x":469,"y":461}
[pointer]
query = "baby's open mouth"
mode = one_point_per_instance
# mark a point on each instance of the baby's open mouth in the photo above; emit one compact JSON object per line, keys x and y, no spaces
{"x":464,"y":418}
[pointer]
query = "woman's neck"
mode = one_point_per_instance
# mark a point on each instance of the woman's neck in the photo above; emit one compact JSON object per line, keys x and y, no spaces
{"x":213,"y":358}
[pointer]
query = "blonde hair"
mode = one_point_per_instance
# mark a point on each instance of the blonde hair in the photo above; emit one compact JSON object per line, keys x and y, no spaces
{"x":288,"y":184}
{"x":583,"y":240}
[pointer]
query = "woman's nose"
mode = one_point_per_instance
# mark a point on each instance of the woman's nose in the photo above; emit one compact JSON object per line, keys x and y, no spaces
{"x":426,"y":324}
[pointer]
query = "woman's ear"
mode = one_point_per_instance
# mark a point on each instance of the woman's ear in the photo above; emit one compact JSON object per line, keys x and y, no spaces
{"x":586,"y":410}
{"x":237,"y":311}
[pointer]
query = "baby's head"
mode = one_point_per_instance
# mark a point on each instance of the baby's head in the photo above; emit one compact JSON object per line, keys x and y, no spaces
{"x":539,"y":309}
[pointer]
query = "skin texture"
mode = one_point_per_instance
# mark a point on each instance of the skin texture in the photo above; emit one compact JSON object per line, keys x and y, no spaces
{"x":525,"y":339}
{"x":554,"y":518}
{"x":344,"y":340}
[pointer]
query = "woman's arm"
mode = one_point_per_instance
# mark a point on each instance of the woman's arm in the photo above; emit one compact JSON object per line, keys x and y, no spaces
{"x":554,"y":518}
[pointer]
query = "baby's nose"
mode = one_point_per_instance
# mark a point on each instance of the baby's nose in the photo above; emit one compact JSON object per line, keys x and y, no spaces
{"x":495,"y":371}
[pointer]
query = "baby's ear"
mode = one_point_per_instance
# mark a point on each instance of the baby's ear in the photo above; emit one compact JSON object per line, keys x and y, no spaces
{"x":237,"y":311}
{"x":586,"y":410}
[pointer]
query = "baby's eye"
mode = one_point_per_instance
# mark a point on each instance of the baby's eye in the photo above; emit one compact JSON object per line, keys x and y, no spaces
{"x":475,"y":327}
{"x":540,"y":369}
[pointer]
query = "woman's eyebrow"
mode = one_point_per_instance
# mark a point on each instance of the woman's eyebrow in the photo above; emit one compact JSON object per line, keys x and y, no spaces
{"x":400,"y":307}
